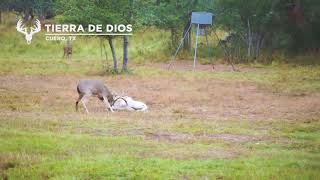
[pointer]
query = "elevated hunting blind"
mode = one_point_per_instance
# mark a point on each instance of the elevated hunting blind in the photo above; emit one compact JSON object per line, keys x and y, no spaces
{"x":201,"y":20}
{"x":198,"y":18}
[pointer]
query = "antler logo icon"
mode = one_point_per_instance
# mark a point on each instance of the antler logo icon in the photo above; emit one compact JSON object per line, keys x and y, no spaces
{"x":36,"y":28}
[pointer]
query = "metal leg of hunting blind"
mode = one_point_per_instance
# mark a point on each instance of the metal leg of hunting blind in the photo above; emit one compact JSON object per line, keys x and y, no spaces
{"x":176,"y":53}
{"x":195,"y":49}
{"x":203,"y":18}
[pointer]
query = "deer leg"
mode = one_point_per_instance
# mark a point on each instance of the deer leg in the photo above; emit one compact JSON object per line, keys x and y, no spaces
{"x":108,"y":106}
{"x":79,"y":99}
{"x":85,"y":100}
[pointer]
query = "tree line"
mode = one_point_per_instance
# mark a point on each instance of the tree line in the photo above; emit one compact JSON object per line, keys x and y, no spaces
{"x":254,"y":26}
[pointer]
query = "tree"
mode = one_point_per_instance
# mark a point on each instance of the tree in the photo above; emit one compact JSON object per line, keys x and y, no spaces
{"x":172,"y":15}
{"x":125,"y":54}
{"x":100,"y":12}
{"x":28,"y":9}
{"x":129,"y":11}
{"x":291,"y":25}
{"x":4,"y":5}
{"x":249,"y":21}
{"x":167,"y":14}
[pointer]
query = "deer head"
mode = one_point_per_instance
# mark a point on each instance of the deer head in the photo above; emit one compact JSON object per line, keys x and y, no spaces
{"x":23,"y":30}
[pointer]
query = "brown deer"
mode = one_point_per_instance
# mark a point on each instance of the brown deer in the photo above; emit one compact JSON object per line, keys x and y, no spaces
{"x":88,"y":88}
{"x":67,"y":50}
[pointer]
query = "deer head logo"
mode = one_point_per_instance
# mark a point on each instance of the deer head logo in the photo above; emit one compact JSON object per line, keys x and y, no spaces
{"x":36,"y":28}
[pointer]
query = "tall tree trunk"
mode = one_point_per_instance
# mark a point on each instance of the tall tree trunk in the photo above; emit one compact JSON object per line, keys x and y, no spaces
{"x":125,"y":54}
{"x":260,"y":38}
{"x":126,"y":38}
{"x":0,"y":17}
{"x":298,"y":16}
{"x":114,"y":56}
{"x":249,"y":39}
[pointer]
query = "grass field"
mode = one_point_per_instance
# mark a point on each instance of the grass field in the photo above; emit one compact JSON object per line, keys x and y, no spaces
{"x":260,"y":123}
{"x":200,"y":125}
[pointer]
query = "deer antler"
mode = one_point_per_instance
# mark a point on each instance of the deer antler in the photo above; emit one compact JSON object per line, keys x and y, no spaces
{"x":36,"y":28}
{"x":21,"y":28}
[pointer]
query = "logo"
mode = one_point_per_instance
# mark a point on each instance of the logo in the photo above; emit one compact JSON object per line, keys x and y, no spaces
{"x":69,"y":32}
{"x":28,"y":36}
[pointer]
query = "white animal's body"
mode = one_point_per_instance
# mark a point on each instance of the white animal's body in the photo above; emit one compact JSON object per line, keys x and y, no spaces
{"x":88,"y":88}
{"x":127,"y":103}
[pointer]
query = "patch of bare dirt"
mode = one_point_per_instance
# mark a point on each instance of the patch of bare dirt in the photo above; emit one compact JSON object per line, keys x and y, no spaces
{"x":188,"y":66}
{"x":7,"y":165}
{"x":237,"y":138}
{"x":174,"y":137}
{"x":183,"y":137}
{"x":170,"y":97}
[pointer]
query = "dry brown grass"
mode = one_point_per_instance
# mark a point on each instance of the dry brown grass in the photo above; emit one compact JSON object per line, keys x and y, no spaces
{"x":178,"y":105}
{"x":169,"y":97}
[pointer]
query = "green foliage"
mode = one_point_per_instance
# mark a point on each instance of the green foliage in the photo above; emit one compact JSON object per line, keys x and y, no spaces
{"x":99,"y":12}
{"x":281,"y":24}
{"x":170,"y":15}
{"x":96,"y":12}
{"x":27,"y":8}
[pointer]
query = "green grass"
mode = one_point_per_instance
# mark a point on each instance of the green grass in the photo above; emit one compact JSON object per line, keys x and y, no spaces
{"x":34,"y":154}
